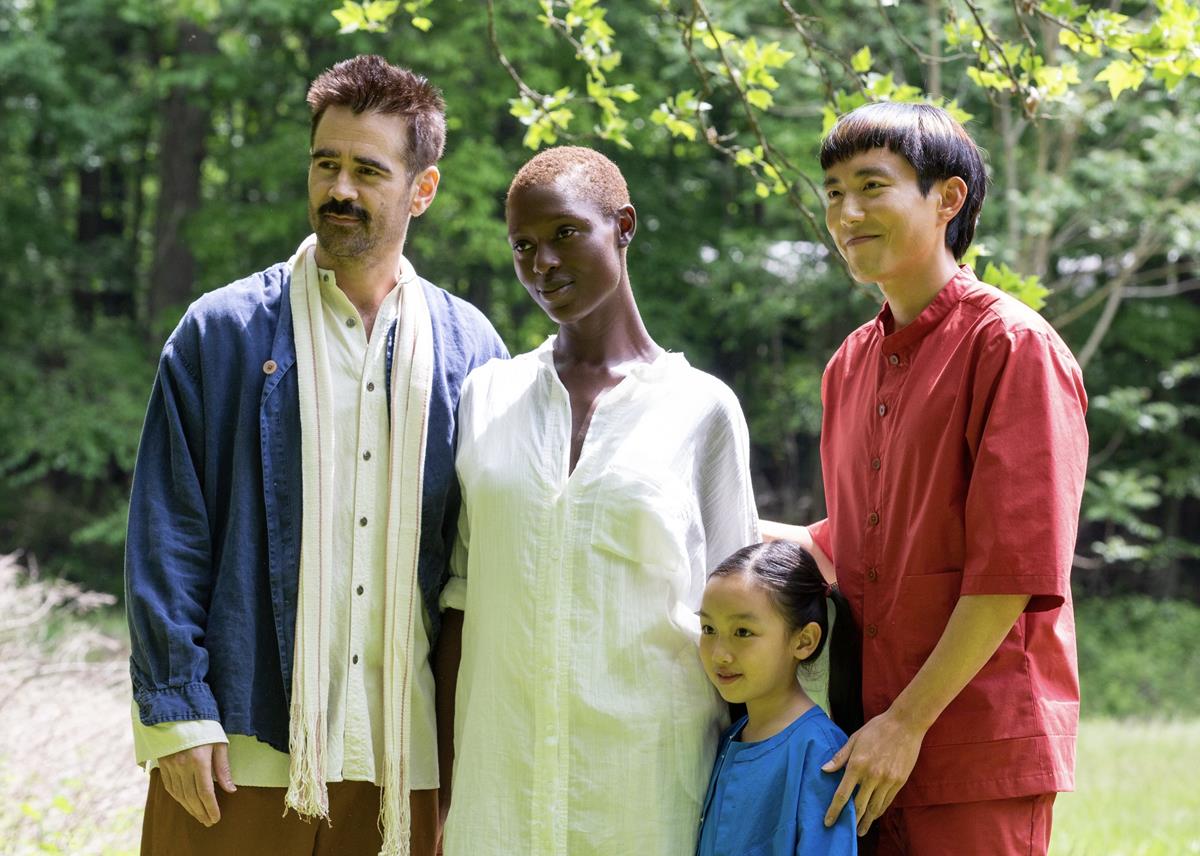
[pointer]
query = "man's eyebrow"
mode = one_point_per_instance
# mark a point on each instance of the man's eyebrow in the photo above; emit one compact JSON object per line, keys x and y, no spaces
{"x":882,"y":172}
{"x":334,"y":154}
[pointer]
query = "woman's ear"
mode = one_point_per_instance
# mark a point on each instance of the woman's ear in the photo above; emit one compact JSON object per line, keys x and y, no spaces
{"x":626,"y":225}
{"x":805,"y":640}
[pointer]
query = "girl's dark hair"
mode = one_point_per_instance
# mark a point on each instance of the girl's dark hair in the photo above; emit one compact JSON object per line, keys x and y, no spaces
{"x":790,"y":574}
{"x":930,"y":139}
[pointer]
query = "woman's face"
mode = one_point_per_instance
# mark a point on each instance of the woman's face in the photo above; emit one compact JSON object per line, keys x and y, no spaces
{"x":567,"y":252}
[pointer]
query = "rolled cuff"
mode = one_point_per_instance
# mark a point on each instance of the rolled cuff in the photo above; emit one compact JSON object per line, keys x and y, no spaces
{"x":175,"y":704}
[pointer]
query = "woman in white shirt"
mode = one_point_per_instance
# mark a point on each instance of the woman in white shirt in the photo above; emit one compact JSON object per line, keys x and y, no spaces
{"x":602,"y":477}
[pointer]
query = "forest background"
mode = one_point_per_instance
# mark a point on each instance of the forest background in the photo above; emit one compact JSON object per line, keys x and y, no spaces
{"x":152,"y":150}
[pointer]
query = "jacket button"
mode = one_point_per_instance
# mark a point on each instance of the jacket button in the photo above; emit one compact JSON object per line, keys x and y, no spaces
{"x":894,"y":359}
{"x":872,"y":519}
{"x":872,"y":630}
{"x":269,"y":367}
{"x":872,"y":574}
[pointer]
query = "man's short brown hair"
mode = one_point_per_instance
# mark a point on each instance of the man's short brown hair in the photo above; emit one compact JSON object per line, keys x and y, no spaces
{"x":370,"y":82}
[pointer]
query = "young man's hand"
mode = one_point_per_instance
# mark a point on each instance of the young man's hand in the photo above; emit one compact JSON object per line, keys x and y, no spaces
{"x":188,"y":776}
{"x":878,"y":758}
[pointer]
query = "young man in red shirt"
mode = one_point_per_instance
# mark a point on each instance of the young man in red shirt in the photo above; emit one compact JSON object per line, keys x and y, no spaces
{"x":954,"y":449}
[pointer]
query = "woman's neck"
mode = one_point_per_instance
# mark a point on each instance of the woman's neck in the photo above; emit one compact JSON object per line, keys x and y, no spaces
{"x":606,"y":340}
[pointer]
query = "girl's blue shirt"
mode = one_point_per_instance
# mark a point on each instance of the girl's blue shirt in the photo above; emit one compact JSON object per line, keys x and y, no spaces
{"x":769,"y":798}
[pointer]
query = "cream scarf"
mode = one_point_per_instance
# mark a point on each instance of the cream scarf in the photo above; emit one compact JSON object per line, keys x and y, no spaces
{"x":411,"y":383}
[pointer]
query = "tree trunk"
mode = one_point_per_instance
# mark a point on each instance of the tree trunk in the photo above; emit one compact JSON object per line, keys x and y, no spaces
{"x":933,"y":65}
{"x":185,"y":117}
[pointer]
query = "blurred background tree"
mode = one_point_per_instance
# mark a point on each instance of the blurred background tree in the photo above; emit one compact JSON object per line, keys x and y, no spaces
{"x":156,"y":149}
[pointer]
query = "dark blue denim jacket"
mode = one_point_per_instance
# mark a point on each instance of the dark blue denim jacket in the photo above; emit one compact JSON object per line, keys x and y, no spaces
{"x":213,"y":549}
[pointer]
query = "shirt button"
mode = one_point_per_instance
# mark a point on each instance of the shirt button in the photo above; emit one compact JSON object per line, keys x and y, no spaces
{"x":894,"y":359}
{"x":872,"y":574}
{"x":350,"y":322}
{"x":872,"y":630}
{"x":882,"y":409}
{"x":362,"y":521}
{"x":875,"y":463}
{"x":366,"y":456}
{"x":872,"y":519}
{"x":354,"y":659}
{"x":270,"y":366}
{"x":370,"y":387}
{"x":359,"y":590}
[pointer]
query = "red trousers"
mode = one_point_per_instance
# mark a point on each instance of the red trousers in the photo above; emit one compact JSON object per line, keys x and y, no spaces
{"x":1012,"y":827}
{"x":252,"y":824}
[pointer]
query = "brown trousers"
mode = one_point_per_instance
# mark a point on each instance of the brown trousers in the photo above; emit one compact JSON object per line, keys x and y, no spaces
{"x":252,"y":824}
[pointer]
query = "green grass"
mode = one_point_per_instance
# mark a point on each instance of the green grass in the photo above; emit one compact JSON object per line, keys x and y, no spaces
{"x":1137,"y":791}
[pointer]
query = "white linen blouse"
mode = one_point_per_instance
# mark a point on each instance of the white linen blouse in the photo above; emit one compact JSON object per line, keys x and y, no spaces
{"x":584,"y":722}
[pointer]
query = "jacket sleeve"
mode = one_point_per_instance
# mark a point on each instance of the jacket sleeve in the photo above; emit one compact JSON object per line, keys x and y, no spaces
{"x":168,"y":553}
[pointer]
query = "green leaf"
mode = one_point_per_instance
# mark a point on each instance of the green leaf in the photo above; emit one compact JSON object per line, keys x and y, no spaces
{"x":422,"y":24}
{"x":761,"y":190}
{"x":1121,"y":75}
{"x":350,"y":17}
{"x":861,"y":61}
{"x":1029,"y":290}
{"x":760,"y":98}
{"x":380,"y":10}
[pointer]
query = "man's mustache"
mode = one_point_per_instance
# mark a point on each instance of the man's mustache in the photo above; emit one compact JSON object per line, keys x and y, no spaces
{"x":344,"y":209}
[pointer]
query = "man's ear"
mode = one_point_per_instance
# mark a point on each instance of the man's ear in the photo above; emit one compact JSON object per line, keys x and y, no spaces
{"x":626,"y":225}
{"x":805,"y":640}
{"x":424,"y":187}
{"x":952,"y":195}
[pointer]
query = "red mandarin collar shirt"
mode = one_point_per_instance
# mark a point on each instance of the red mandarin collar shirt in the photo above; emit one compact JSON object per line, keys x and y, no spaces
{"x":954,"y":453}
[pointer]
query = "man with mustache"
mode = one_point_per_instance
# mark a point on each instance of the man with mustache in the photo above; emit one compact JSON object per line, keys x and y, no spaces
{"x":287,"y":529}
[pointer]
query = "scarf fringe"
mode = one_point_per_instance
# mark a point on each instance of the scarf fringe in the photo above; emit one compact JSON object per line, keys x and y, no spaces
{"x":308,"y":793}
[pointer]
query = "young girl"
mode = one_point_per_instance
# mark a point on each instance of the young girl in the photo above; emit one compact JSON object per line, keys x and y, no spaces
{"x":765,"y":611}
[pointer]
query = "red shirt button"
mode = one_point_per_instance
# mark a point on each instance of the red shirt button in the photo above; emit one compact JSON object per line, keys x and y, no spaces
{"x":882,"y":409}
{"x":875,"y":463}
{"x":894,"y":359}
{"x":872,"y":519}
{"x":872,"y":630}
{"x":872,"y":574}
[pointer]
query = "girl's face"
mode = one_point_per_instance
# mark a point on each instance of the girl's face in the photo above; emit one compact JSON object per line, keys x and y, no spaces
{"x":748,"y":650}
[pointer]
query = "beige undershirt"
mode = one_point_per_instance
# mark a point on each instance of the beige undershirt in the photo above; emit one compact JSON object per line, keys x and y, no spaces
{"x":355,"y":706}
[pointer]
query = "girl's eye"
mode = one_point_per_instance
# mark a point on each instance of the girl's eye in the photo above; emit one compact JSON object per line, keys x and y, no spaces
{"x":707,"y":629}
{"x":520,"y":246}
{"x":831,"y":195}
{"x":566,"y":231}
{"x":872,"y":185}
{"x":742,"y":632}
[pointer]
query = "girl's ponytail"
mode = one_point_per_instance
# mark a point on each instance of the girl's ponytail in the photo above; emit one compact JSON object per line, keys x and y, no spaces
{"x":845,"y":667}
